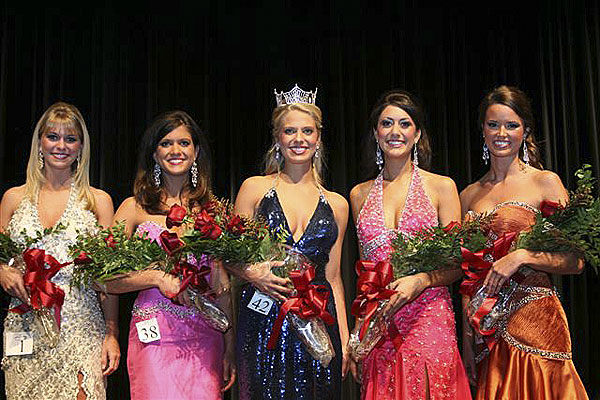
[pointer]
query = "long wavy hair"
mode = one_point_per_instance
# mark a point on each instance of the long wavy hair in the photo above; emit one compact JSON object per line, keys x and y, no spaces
{"x":146,"y":193}
{"x":518,"y":101}
{"x":271,"y":164}
{"x":66,"y":116}
{"x":413,"y":107}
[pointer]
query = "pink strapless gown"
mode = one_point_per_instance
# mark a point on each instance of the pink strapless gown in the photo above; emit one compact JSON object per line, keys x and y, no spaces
{"x":186,"y":363}
{"x":426,"y":325}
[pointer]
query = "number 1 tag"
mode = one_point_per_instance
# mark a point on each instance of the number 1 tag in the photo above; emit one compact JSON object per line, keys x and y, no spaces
{"x":261,"y":303}
{"x":18,"y":343}
{"x":148,"y":330}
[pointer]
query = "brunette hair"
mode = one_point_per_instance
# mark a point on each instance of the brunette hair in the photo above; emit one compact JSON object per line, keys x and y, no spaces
{"x":67,"y":116}
{"x":272,"y":165}
{"x":518,"y":101}
{"x":147,"y":194}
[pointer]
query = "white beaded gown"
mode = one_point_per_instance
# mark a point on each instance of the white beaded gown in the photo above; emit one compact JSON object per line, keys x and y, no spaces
{"x":52,"y":373}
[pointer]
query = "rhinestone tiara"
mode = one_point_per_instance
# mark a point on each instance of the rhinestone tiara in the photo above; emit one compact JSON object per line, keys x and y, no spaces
{"x":296,"y":95}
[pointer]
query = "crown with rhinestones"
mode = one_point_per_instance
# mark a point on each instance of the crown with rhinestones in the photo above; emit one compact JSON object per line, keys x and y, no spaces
{"x":296,"y":95}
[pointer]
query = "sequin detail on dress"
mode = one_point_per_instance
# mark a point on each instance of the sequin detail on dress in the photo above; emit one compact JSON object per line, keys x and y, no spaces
{"x":288,"y":371}
{"x":51,"y":373}
{"x":426,"y":325}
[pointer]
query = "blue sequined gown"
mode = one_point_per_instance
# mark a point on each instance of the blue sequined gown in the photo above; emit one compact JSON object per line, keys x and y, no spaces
{"x":288,"y":371}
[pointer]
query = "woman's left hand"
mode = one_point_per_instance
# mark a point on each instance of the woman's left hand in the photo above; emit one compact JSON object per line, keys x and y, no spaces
{"x":407,"y":289}
{"x":111,"y":354}
{"x":502,"y":270}
{"x":229,"y":370}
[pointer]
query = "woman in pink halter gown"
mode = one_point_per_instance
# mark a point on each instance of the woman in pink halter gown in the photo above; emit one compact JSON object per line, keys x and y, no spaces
{"x":422,"y":362}
{"x":190,"y":360}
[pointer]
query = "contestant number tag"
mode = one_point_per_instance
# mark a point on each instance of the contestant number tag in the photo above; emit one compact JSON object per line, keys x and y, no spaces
{"x":18,"y":343}
{"x":148,"y":330}
{"x":261,"y":303}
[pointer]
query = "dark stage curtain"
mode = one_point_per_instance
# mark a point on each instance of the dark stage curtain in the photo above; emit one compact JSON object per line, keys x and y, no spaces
{"x":220,"y":62}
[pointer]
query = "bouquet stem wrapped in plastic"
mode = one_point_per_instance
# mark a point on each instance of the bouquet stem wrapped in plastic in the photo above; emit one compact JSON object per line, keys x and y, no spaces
{"x":305,"y":310}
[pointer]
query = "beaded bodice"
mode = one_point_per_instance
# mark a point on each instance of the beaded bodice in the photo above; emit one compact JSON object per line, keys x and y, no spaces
{"x":51,"y":373}
{"x":374,"y":237}
{"x":319,"y":236}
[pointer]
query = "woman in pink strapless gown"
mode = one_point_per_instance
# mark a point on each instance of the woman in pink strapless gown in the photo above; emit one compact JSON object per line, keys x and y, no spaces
{"x":424,"y":363}
{"x":190,"y":360}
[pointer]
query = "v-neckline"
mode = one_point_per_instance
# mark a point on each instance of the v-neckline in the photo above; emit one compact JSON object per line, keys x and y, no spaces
{"x":404,"y":208}
{"x":287,"y":224}
{"x":36,"y":207}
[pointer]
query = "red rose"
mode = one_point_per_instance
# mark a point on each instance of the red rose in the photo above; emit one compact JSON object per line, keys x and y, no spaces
{"x":110,"y":241}
{"x":235,"y":225}
{"x":176,"y":216}
{"x":207,"y":225}
{"x":548,"y":208}
{"x":170,"y":242}
{"x":82,"y":259}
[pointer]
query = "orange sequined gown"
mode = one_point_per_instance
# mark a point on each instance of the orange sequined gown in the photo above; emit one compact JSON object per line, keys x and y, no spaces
{"x":531,"y":358}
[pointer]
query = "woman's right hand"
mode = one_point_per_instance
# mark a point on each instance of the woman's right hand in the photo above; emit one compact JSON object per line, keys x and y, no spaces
{"x":12,"y":282}
{"x":263,"y":279}
{"x":169,"y":285}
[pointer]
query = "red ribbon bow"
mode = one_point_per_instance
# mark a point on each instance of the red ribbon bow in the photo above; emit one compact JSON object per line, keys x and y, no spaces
{"x":43,"y":293}
{"x":373,"y":279}
{"x":191,"y":275}
{"x":476,"y":269}
{"x":308,"y":301}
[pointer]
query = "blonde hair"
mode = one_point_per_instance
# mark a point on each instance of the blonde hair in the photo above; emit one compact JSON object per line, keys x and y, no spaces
{"x":318,"y":165}
{"x":67,"y":116}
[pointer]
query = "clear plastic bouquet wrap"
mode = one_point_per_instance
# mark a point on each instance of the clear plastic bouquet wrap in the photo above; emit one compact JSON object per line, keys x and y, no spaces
{"x":45,"y":298}
{"x":430,"y":249}
{"x":111,"y":255}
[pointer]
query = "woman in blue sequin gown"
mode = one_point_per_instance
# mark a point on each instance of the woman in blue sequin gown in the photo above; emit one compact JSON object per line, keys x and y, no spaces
{"x":290,"y":196}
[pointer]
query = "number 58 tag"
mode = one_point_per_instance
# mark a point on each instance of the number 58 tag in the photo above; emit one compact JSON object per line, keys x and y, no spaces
{"x":148,"y":330}
{"x":261,"y":303}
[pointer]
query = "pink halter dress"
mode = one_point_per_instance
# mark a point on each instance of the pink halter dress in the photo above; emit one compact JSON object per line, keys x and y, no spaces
{"x":426,"y":325}
{"x":187,"y":361}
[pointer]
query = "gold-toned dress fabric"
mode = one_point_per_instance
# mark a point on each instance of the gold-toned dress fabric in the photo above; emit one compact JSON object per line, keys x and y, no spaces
{"x":531,"y":358}
{"x":52,"y":373}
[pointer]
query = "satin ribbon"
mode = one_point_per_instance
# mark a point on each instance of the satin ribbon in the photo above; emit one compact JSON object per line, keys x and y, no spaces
{"x":170,"y":242}
{"x":476,"y":269}
{"x":191,"y":275}
{"x":308,"y":301}
{"x":373,"y":279}
{"x":43,"y":293}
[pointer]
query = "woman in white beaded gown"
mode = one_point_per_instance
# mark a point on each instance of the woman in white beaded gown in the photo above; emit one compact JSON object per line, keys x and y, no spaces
{"x":57,"y":193}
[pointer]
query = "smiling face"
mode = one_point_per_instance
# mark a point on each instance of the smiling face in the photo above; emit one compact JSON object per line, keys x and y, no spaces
{"x":396,"y":132}
{"x":60,"y":146}
{"x":298,"y":137}
{"x":176,"y":152}
{"x":503,"y":131}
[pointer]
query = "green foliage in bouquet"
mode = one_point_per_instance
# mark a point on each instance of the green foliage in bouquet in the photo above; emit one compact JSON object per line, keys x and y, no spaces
{"x":221,"y":233}
{"x":574,"y":227}
{"x":10,"y":249}
{"x":111,"y":253}
{"x":437,"y":248}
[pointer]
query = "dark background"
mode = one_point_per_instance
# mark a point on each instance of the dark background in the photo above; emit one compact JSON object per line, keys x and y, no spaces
{"x":122,"y":64}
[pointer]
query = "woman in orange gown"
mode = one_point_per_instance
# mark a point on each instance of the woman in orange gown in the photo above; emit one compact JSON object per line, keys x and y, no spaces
{"x":529,"y":354}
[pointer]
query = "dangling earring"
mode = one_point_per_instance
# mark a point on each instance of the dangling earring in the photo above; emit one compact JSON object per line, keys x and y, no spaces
{"x":41,"y":159}
{"x":378,"y":156}
{"x":194,"y":173}
{"x":78,"y":161}
{"x":415,"y":156}
{"x":277,"y":153}
{"x":317,"y":151}
{"x":156,"y":172}
{"x":486,"y":154}
{"x":525,"y":152}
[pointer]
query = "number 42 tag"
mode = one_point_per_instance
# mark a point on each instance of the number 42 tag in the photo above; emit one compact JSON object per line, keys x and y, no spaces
{"x":261,"y":303}
{"x":148,"y":330}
